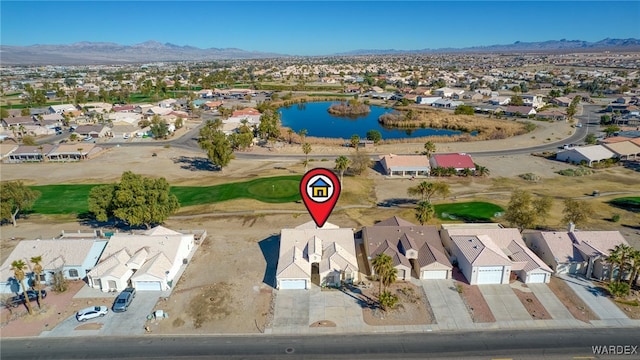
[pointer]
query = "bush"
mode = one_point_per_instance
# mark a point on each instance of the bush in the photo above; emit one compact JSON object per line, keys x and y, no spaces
{"x":530,"y":177}
{"x":619,"y":289}
{"x":615,"y":217}
{"x":581,"y":171}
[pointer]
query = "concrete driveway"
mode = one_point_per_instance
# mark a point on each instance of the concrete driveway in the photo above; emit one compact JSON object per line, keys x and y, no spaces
{"x":130,"y":322}
{"x":447,"y":305}
{"x":504,"y":304}
{"x":342,"y":308}
{"x":607,"y":311}
{"x":291,"y":313}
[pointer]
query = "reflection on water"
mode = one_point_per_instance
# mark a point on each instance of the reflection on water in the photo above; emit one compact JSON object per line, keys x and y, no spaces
{"x":316,"y":119}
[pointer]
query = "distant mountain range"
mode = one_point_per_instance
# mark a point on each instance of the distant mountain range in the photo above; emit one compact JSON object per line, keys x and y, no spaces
{"x":153,"y":51}
{"x":518,"y":46}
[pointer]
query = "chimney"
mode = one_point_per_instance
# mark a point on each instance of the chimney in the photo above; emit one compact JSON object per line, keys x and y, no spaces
{"x":572,"y":227}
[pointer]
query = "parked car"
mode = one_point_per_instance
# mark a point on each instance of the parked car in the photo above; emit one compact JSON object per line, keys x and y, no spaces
{"x":123,"y":300}
{"x":31,"y":294}
{"x":91,"y":313}
{"x":125,"y":136}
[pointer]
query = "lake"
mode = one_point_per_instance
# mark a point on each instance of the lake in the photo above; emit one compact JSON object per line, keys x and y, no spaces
{"x":314,"y":117}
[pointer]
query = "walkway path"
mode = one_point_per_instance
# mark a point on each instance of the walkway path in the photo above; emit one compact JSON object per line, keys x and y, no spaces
{"x":608,"y":312}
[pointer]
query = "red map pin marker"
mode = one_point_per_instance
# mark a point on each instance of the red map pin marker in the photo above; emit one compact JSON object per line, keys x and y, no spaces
{"x":320,"y":190}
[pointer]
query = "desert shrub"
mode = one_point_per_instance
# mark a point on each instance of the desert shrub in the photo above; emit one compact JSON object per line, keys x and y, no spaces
{"x":615,"y":217}
{"x":530,"y":177}
{"x":581,"y":171}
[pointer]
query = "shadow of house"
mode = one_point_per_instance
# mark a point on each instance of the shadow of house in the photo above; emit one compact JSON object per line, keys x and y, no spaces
{"x":270,"y":248}
{"x":195,"y":163}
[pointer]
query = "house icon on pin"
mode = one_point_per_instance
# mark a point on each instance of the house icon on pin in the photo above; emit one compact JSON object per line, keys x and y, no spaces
{"x":320,"y":188}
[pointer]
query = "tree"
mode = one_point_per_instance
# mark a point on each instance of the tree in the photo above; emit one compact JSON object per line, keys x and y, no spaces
{"x":591,"y":139}
{"x":427,"y":189}
{"x":159,"y":128}
{"x":360,"y":162}
{"x":516,"y":100}
{"x":306,"y":149}
{"x":302,"y":133}
{"x":424,"y":212}
{"x":100,"y":201}
{"x":429,"y":149}
{"x":481,"y":170}
{"x":4,"y":113}
{"x":136,"y":200}
{"x":216,"y":144}
{"x":18,"y":267}
{"x":524,"y":212}
{"x":634,"y":257}
{"x":355,"y":141}
{"x":29,"y":140}
{"x":611,"y":129}
{"x":15,"y":198}
{"x":621,"y":254}
{"x":464,"y":110}
{"x":37,"y":271}
{"x":290,"y":134}
{"x":382,"y":265}
{"x":374,"y":135}
{"x":342,"y":164}
{"x":576,"y":211}
{"x":25,"y":112}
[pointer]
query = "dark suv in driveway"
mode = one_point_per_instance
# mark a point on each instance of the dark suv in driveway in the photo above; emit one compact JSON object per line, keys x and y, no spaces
{"x":123,"y":300}
{"x":31,"y":294}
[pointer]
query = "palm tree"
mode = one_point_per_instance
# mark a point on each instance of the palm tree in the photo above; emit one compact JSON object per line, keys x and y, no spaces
{"x":424,"y":188}
{"x":289,"y":132}
{"x":306,"y":149}
{"x":635,"y":266}
{"x":342,"y":164}
{"x":37,"y":270}
{"x":18,"y":267}
{"x":302,"y":133}
{"x":466,"y":172}
{"x":382,"y":264}
{"x":355,"y":141}
{"x":429,"y":149}
{"x":612,"y":260}
{"x":622,"y":253}
{"x":481,"y":170}
{"x":424,"y":212}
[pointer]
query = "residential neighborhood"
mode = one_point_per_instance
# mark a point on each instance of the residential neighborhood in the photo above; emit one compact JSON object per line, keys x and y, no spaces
{"x":477,"y":192}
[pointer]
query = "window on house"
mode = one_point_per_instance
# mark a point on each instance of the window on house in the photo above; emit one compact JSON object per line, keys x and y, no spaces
{"x":41,"y":277}
{"x":73,"y":273}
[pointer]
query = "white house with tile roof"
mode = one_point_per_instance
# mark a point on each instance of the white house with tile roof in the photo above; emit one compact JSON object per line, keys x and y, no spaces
{"x":489,"y":253}
{"x":307,"y":252}
{"x":587,"y":154}
{"x":405,"y":165}
{"x":145,"y":261}
{"x":73,"y":257}
{"x":576,"y":252}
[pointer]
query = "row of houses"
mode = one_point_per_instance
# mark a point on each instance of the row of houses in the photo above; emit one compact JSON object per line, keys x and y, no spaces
{"x":484,"y":253}
{"x":593,"y":154}
{"x":11,"y":153}
{"x":148,"y":260}
{"x":420,"y":165}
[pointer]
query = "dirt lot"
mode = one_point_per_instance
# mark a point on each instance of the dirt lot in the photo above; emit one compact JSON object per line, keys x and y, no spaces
{"x":224,"y":288}
{"x":412,"y":309}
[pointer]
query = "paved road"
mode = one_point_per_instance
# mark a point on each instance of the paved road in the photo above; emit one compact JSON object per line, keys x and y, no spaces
{"x":524,"y":344}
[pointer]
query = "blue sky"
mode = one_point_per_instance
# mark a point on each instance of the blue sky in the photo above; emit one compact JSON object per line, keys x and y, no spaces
{"x":316,"y":27}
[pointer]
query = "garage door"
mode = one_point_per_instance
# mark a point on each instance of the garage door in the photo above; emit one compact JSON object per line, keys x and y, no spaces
{"x":148,"y":286}
{"x":293,"y":284}
{"x":434,"y":274}
{"x":489,"y":275}
{"x":537,"y":278}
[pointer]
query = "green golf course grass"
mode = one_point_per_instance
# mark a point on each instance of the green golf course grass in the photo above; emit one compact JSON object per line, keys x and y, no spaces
{"x":631,"y":203}
{"x":474,"y":211}
{"x":72,"y":199}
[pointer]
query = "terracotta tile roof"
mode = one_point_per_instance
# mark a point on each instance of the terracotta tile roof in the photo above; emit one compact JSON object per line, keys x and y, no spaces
{"x":458,"y":161}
